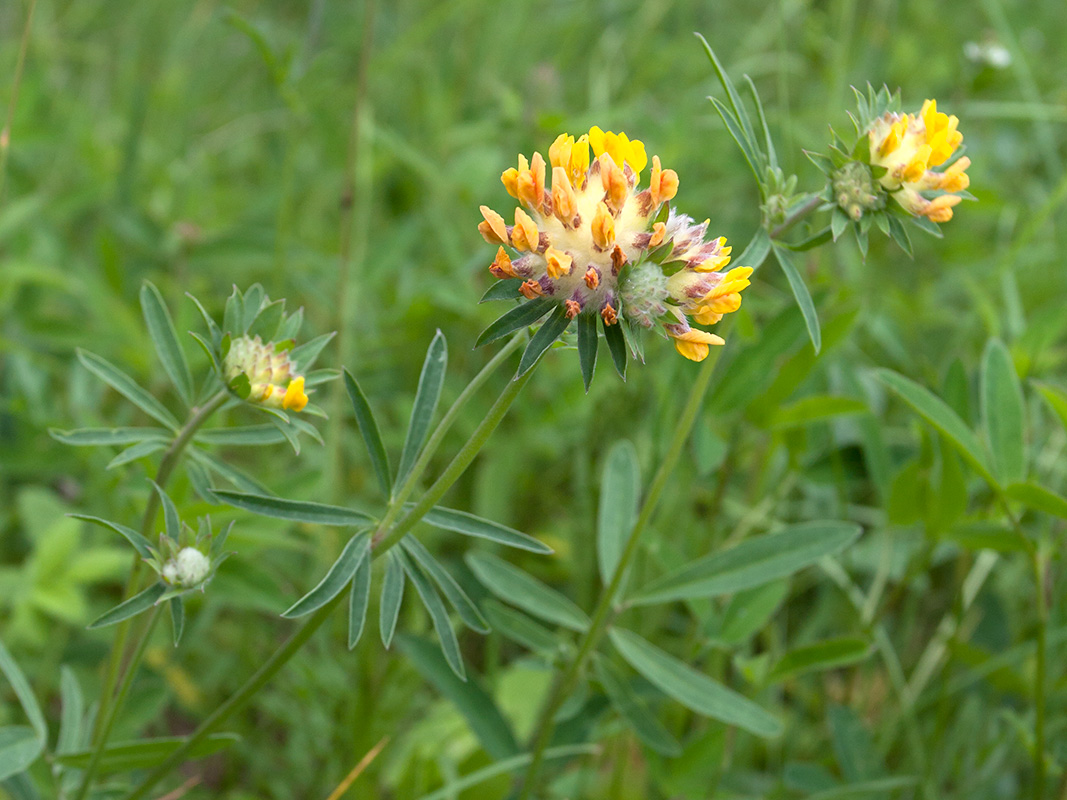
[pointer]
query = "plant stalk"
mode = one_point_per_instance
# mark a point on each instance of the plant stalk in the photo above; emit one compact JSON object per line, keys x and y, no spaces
{"x":5,"y":132}
{"x":796,"y":216}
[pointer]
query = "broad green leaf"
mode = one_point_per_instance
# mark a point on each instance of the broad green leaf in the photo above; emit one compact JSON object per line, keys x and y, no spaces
{"x":519,"y":317}
{"x":752,"y":563}
{"x":146,"y":753}
{"x":84,"y":437}
{"x":1002,"y":413}
{"x":127,"y":387}
{"x":19,"y":748}
{"x":454,"y":787}
{"x":520,"y":628}
{"x":750,"y":610}
{"x":294,"y":510}
{"x":165,"y":338}
{"x":802,"y":295}
{"x":1056,"y":399}
{"x":129,"y":608}
{"x":464,"y":606}
{"x":634,"y":710}
{"x":470,"y":525}
{"x":588,"y":343}
{"x":139,"y":542}
{"x":620,"y":495}
{"x":242,"y":435}
{"x":135,"y":452}
{"x":470,"y":699}
{"x":335,"y":580}
{"x":822,"y":655}
{"x":177,"y":618}
{"x":429,"y":392}
{"x":368,"y":429}
{"x":358,"y":602}
{"x":72,"y":712}
{"x":392,"y":596}
{"x":546,"y":335}
{"x":1038,"y":498}
{"x":438,"y":615}
{"x":937,"y":413}
{"x":514,"y":586}
{"x":693,"y":689}
{"x":814,"y":409}
{"x":616,"y":339}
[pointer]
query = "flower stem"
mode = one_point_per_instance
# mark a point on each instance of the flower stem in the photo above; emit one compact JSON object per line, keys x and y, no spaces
{"x":170,"y":460}
{"x":796,"y":216}
{"x":562,"y":688}
{"x":385,"y":539}
{"x":1040,"y":678}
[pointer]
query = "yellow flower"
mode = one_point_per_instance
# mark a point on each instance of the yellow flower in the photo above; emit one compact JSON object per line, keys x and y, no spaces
{"x":263,"y":374}
{"x":585,"y":243}
{"x":908,"y":147}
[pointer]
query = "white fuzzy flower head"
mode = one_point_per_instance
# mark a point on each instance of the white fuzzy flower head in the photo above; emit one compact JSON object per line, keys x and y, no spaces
{"x":186,"y":570}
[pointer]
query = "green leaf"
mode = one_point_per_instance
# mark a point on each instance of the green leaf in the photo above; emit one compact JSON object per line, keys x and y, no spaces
{"x":87,"y":437}
{"x":514,"y":586}
{"x":20,"y":746}
{"x":937,"y":413}
{"x":520,"y":628}
{"x":139,"y":542}
{"x":815,"y":409}
{"x":335,"y":580}
{"x":772,"y":156}
{"x":731,"y":93}
{"x":1002,"y":413}
{"x":242,"y":435}
{"x":616,"y":340}
{"x":757,"y":250}
{"x":470,"y":525}
{"x":752,"y":563}
{"x":750,"y":610}
{"x":551,"y":330}
{"x":177,"y":618}
{"x":748,"y":150}
{"x":127,"y":387}
{"x":503,"y":289}
{"x":129,"y":608}
{"x":454,"y":787}
{"x":876,"y":786}
{"x":693,"y":689}
{"x":588,"y":343}
{"x":429,"y":392}
{"x":519,"y":317}
{"x":1038,"y":498}
{"x":470,"y":699}
{"x":1056,"y":399}
{"x":72,"y":712}
{"x":294,"y":510}
{"x":146,"y":753}
{"x":620,"y":494}
{"x":135,"y":452}
{"x":165,"y":338}
{"x":635,"y":711}
{"x":368,"y":429}
{"x":392,"y":596}
{"x":358,"y":602}
{"x":304,"y":355}
{"x":171,"y":521}
{"x":438,"y":614}
{"x":822,"y":655}
{"x":242,"y":480}
{"x":803,"y":297}
{"x":452,"y":591}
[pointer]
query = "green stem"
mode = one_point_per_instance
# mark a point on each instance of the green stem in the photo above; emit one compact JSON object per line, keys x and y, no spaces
{"x":166,"y":468}
{"x":562,"y":688}
{"x":1040,"y":677}
{"x":5,"y":132}
{"x":113,"y":710}
{"x":385,"y":540}
{"x":796,"y":216}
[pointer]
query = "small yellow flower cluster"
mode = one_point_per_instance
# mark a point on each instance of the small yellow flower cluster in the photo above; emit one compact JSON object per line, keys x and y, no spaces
{"x":908,"y":147}
{"x":585,"y":242}
{"x":271,"y":377}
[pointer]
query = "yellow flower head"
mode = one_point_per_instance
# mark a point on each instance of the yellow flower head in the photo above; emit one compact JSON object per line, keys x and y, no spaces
{"x":908,"y":147}
{"x":597,"y":244}
{"x":263,"y":374}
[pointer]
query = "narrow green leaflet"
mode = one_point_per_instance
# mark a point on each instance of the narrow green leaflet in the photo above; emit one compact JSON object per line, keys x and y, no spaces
{"x":146,"y":753}
{"x":242,"y":435}
{"x":937,"y":412}
{"x":165,"y":338}
{"x":177,"y":618}
{"x":822,"y":655}
{"x":358,"y":601}
{"x":616,"y":340}
{"x":1038,"y":498}
{"x":768,"y":142}
{"x":453,"y":788}
{"x":171,"y":521}
{"x":470,"y":525}
{"x":750,"y":153}
{"x":505,"y":289}
{"x":731,"y":93}
{"x":135,"y":452}
{"x":519,"y":317}
{"x":127,"y":387}
{"x":815,"y":408}
{"x":635,"y":711}
{"x":877,"y":786}
{"x":802,"y":295}
{"x":429,"y":392}
{"x":335,"y":580}
{"x":438,"y":614}
{"x":749,"y":611}
{"x":368,"y":429}
{"x":548,"y":333}
{"x":1002,"y":413}
{"x":1056,"y":399}
{"x":469,"y":698}
{"x":239,"y":478}
{"x":294,"y":510}
{"x":132,"y":607}
{"x":514,"y":586}
{"x":757,"y":250}
{"x":465,"y":607}
{"x":140,"y":543}
{"x":620,"y":493}
{"x":752,"y":563}
{"x":520,"y":628}
{"x":392,"y":597}
{"x":87,"y":437}
{"x":20,"y":746}
{"x":72,"y":712}
{"x":588,"y":343}
{"x":693,"y":689}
